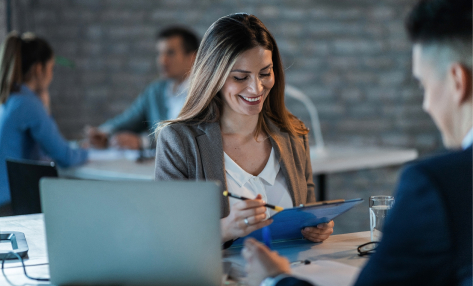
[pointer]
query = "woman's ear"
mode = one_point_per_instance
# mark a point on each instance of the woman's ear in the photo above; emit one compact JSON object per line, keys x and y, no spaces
{"x":462,"y":83}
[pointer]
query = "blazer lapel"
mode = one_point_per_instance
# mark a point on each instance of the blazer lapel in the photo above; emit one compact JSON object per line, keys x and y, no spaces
{"x":211,"y":153}
{"x":288,"y":167}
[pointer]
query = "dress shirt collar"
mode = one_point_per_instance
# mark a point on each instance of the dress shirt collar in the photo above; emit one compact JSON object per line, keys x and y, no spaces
{"x":468,"y":140}
{"x":271,"y":169}
{"x":236,"y":172}
{"x":241,"y":177}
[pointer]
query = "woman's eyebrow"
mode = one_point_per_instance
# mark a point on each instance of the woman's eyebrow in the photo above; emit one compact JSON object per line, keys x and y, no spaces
{"x":240,"y":71}
{"x":243,"y":71}
{"x":266,"y":67}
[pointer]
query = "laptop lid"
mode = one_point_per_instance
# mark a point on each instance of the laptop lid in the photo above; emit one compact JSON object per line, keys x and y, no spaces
{"x":132,"y":232}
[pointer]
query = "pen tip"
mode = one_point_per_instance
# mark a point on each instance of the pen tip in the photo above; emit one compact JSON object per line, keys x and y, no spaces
{"x":225,"y":193}
{"x":278,"y":208}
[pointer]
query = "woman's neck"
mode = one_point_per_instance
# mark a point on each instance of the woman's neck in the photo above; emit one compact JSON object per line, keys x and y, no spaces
{"x":238,"y":124}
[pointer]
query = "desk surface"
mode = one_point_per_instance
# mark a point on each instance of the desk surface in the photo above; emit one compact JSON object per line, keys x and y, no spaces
{"x":338,"y":248}
{"x":334,"y":159}
{"x":123,"y":166}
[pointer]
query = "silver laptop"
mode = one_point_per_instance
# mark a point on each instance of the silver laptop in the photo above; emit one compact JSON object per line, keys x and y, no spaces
{"x":132,"y":232}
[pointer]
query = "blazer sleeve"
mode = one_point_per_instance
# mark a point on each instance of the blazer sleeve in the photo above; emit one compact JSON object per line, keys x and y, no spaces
{"x":415,"y":246}
{"x":45,"y":132}
{"x":308,"y":172}
{"x":171,"y":159}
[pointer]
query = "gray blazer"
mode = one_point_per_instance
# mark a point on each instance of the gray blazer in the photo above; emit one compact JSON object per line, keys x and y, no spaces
{"x":195,"y":152}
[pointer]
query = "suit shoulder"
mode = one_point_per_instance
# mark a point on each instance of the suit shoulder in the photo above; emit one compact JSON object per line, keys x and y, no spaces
{"x":452,"y":170}
{"x":180,"y":129}
{"x":445,"y":161}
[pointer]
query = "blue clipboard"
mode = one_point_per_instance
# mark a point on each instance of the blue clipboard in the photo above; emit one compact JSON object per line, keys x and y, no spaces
{"x":288,"y":223}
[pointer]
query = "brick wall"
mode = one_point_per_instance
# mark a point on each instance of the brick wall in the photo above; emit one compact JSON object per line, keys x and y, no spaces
{"x":351,"y":57}
{"x":3,"y":20}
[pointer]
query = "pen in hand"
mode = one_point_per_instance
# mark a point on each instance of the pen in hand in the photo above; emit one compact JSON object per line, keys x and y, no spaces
{"x":228,"y":194}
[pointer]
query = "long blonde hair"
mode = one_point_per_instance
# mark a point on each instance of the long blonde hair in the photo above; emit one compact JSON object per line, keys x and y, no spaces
{"x":224,"y":41}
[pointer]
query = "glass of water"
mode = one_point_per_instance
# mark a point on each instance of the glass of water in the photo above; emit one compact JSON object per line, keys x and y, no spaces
{"x":379,"y":208}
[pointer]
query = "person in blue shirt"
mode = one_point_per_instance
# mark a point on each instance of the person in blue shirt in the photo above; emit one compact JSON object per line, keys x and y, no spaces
{"x":427,"y":238}
{"x":163,"y":99}
{"x":27,"y":130}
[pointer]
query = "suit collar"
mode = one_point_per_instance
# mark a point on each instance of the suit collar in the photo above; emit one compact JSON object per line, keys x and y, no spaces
{"x":210,"y":127}
{"x":281,"y":143}
{"x":211,"y":151}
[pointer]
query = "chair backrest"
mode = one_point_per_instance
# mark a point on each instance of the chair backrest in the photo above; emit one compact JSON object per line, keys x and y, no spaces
{"x":314,"y":117}
{"x":24,"y":176}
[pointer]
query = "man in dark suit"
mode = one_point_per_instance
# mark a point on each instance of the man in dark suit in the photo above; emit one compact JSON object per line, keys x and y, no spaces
{"x":427,"y":239}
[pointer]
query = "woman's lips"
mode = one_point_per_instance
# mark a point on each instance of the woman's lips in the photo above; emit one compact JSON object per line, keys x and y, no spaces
{"x":251,"y":100}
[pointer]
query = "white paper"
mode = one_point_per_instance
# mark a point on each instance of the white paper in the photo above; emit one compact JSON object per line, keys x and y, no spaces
{"x":112,"y":154}
{"x":327,"y":273}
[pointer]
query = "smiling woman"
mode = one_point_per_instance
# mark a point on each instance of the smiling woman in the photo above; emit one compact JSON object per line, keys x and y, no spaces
{"x":249,"y":83}
{"x":235,"y":129}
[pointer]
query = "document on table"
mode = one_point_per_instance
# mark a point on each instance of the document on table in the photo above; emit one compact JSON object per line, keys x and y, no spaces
{"x":327,"y":273}
{"x":112,"y":154}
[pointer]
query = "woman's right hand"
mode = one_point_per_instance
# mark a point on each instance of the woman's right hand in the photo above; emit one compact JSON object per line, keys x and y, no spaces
{"x":244,"y":218}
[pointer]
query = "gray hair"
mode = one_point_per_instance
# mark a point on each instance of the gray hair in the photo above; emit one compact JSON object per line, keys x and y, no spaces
{"x":447,"y":52}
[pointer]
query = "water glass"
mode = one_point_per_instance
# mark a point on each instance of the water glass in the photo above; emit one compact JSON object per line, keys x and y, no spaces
{"x":379,"y":208}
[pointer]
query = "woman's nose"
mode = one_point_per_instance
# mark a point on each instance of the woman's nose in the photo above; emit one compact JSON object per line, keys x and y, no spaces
{"x":256,"y":86}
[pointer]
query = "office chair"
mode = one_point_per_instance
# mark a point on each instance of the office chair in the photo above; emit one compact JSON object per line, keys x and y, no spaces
{"x":295,"y":93}
{"x":24,"y":176}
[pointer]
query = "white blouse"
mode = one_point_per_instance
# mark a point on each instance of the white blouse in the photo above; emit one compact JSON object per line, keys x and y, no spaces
{"x":270,"y":183}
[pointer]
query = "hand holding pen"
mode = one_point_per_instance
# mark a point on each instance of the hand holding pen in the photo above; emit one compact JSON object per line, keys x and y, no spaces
{"x":266,"y":231}
{"x":228,"y":194}
{"x":245,"y":217}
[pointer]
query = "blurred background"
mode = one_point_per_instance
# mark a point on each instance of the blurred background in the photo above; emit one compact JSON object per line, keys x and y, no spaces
{"x":352,"y":58}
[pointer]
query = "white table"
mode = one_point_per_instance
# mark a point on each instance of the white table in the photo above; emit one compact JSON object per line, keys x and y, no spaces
{"x":120,"y":169}
{"x":337,"y":159}
{"x":122,"y":165}
{"x":112,"y":165}
{"x":338,"y":249}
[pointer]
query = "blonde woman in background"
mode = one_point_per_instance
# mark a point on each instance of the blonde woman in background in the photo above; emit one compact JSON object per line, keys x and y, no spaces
{"x":234,"y":128}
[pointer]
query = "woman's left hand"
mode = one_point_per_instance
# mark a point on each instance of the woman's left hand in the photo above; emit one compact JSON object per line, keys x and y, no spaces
{"x":318,"y":233}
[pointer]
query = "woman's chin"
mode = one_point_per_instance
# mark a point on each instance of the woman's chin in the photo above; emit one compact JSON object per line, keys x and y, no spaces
{"x":252,"y":111}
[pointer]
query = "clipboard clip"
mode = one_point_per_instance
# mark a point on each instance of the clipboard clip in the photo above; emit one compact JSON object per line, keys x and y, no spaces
{"x":323,"y":203}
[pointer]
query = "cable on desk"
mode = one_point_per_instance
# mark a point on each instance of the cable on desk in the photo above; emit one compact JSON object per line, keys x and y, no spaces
{"x":23,"y":264}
